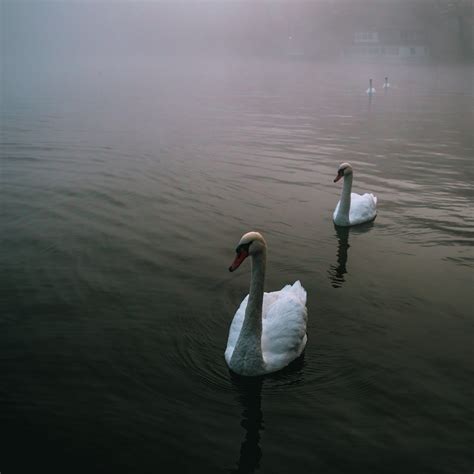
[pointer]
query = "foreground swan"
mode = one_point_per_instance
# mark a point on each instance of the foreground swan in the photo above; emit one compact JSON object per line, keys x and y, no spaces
{"x":269,"y":329}
{"x":353,"y":208}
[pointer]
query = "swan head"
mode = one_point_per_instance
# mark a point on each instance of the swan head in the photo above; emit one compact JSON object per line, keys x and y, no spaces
{"x":251,"y":243}
{"x":345,"y":169}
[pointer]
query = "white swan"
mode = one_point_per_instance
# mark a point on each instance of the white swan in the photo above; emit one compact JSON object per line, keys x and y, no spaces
{"x":353,"y":208}
{"x":386,"y":84}
{"x":371,"y":89}
{"x":269,"y":329}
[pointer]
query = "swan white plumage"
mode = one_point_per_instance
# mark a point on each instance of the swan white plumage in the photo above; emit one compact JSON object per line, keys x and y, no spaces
{"x":386,"y":84}
{"x":353,"y":209}
{"x":269,"y":329}
{"x":371,"y":89}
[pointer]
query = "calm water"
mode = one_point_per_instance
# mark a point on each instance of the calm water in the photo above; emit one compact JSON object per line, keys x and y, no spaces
{"x":125,"y":188}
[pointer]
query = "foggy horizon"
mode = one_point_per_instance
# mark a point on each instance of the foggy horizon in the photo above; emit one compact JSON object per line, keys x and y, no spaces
{"x":320,"y":29}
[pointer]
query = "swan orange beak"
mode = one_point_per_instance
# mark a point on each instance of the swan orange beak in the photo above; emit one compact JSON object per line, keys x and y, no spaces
{"x":338,"y":177}
{"x":241,"y":256}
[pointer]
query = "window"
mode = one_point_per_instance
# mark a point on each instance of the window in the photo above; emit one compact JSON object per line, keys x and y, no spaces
{"x":366,"y":37}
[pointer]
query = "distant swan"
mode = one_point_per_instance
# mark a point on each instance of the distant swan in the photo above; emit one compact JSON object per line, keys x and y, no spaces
{"x":371,"y":89}
{"x":353,"y":208}
{"x":386,"y":84}
{"x":269,"y":329}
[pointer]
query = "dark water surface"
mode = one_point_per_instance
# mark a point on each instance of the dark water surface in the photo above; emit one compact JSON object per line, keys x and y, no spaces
{"x":125,"y":187}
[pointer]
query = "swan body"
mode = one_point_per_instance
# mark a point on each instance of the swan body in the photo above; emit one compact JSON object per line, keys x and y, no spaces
{"x":269,"y":329}
{"x":353,"y":209}
{"x":371,"y":89}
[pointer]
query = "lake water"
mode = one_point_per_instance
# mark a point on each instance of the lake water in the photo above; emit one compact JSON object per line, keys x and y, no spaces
{"x":126,"y":185}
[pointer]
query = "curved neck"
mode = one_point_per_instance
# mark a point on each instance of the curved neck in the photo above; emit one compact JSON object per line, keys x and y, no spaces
{"x":345,"y":203}
{"x":248,"y":350}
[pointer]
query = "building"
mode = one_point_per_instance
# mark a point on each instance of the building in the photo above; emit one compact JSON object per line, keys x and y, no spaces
{"x":388,"y":43}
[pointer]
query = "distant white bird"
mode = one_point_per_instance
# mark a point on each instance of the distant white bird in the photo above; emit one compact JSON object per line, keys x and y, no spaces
{"x":371,"y":89}
{"x":269,"y":329}
{"x":386,"y":84}
{"x":353,"y":209}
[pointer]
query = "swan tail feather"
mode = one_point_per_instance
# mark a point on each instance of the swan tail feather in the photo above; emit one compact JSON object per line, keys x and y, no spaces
{"x":299,"y":291}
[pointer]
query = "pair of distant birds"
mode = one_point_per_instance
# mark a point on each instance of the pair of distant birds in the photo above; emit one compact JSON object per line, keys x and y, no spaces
{"x":268,"y":331}
{"x":371,"y":89}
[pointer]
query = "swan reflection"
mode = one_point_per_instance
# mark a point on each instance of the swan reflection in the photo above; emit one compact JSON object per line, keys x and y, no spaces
{"x":249,"y":391}
{"x":249,"y":394}
{"x":337,"y":272}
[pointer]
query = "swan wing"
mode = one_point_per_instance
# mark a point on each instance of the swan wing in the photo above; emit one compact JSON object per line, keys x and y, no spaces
{"x":268,"y":300}
{"x":363,"y":208}
{"x":284,"y":318}
{"x":235,"y":328}
{"x":284,"y":326}
{"x":336,"y":211}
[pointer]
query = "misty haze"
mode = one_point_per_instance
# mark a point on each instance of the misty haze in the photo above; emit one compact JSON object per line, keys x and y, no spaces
{"x":140,"y":140}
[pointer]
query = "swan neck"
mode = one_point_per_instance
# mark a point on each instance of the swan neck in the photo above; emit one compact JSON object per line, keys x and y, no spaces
{"x":257,"y":282}
{"x":247,"y":358}
{"x":345,"y":204}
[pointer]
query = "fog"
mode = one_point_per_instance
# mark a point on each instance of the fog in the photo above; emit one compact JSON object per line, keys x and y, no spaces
{"x":326,"y":29}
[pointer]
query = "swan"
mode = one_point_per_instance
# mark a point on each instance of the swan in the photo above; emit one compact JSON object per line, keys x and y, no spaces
{"x":353,"y":209}
{"x":371,"y":89}
{"x":386,"y":84}
{"x":269,"y":329}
